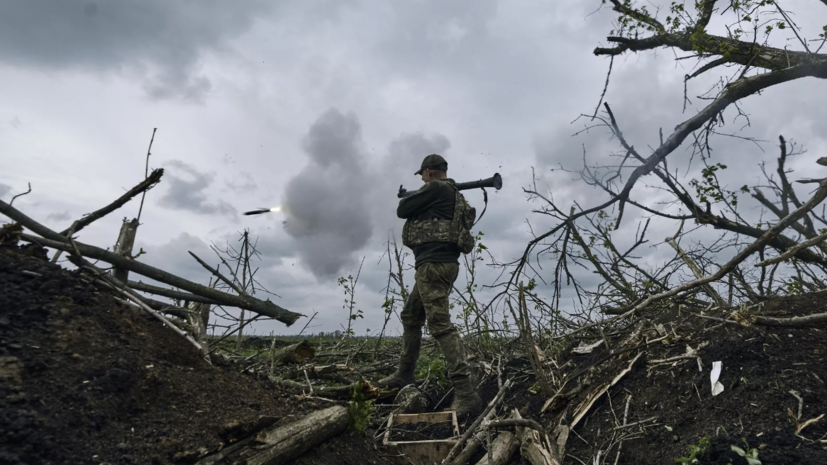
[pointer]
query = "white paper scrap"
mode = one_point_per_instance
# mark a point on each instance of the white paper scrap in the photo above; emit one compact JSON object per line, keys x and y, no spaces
{"x":717,"y":387}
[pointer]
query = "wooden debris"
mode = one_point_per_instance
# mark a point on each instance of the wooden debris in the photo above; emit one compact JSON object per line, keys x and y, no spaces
{"x":473,"y":444}
{"x":584,"y":407}
{"x":532,"y":446}
{"x":279,"y":445}
{"x":296,"y":353}
{"x":695,"y":270}
{"x":427,"y":451}
{"x":59,"y":242}
{"x":502,"y":449}
{"x":126,"y":240}
{"x":472,"y":429}
{"x":341,"y":392}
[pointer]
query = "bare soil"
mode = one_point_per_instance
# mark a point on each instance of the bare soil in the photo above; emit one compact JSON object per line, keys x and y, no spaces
{"x":761,"y":365}
{"x":85,"y":379}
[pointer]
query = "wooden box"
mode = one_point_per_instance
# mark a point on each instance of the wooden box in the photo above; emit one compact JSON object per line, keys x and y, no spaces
{"x":426,"y":452}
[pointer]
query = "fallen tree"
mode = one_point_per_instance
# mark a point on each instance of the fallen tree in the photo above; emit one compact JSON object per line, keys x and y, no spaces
{"x":275,"y":446}
{"x":54,"y":240}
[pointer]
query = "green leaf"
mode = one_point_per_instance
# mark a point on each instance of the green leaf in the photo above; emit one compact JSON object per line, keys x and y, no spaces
{"x":738,"y":451}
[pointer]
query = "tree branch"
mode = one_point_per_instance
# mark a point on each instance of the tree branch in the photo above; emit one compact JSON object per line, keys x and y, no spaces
{"x":144,"y":185}
{"x":737,"y":51}
{"x":57,"y":241}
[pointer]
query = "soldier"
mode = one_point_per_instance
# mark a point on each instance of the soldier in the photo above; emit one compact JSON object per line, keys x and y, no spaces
{"x":433,"y":217}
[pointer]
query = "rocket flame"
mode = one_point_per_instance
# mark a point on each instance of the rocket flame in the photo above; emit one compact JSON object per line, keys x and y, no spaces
{"x":276,"y":209}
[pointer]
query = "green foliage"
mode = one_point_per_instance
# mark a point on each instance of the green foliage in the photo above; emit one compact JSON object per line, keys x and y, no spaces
{"x":436,"y":366}
{"x":708,"y":190}
{"x":750,"y":455}
{"x":695,"y":451}
{"x":349,"y":286}
{"x":360,"y":409}
{"x":794,"y":287}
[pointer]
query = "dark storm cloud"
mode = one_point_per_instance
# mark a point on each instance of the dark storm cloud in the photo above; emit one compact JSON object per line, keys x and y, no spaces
{"x":191,"y":194}
{"x":158,"y":40}
{"x":326,"y":204}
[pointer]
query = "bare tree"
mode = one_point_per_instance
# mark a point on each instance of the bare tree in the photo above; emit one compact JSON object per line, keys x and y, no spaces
{"x":583,"y":237}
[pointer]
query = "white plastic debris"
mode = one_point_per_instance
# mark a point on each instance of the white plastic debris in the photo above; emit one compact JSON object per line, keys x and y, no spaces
{"x":717,"y":387}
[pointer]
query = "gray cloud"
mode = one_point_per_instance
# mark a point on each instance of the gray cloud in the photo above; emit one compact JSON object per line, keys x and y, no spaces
{"x":326,"y":203}
{"x":4,"y":189}
{"x":184,"y":194}
{"x":160,"y":41}
{"x":172,"y":257}
{"x":59,"y":216}
{"x":244,"y":185}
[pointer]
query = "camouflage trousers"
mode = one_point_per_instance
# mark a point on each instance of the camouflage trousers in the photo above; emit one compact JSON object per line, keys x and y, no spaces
{"x":428,"y":302}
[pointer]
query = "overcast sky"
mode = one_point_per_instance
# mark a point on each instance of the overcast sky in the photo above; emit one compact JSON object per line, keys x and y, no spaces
{"x":325,"y":108}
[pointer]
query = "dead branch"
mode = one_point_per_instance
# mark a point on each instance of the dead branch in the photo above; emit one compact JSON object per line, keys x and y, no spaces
{"x":586,"y":405}
{"x":772,"y":232}
{"x":695,"y":271}
{"x":144,"y":185}
{"x":56,"y":241}
{"x":171,"y":293}
{"x":341,"y":392}
{"x":281,"y":444}
{"x":794,"y":250}
{"x":533,"y":448}
{"x":146,"y":173}
{"x":474,"y":443}
{"x":21,"y":194}
{"x":792,"y":322}
{"x":522,"y":422}
{"x":471,"y":429}
{"x":502,"y":450}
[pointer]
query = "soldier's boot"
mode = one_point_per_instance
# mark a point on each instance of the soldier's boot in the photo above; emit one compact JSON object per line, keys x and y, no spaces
{"x":466,"y":400}
{"x":411,"y":343}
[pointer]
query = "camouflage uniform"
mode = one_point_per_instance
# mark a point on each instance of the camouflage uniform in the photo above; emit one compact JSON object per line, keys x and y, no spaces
{"x":437,"y":267}
{"x":429,"y":302}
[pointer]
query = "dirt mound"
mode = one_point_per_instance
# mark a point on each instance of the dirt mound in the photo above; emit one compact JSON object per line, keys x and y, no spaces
{"x":87,"y":379}
{"x":671,"y":407}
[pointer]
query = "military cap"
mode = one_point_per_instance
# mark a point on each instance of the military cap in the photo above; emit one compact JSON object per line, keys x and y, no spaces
{"x":433,"y":162}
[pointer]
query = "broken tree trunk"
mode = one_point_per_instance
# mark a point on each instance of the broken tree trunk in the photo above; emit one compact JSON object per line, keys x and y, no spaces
{"x":296,"y":353}
{"x":170,"y":293}
{"x":502,"y":449}
{"x":126,"y":240}
{"x":279,"y":445}
{"x":532,"y":447}
{"x":199,"y":319}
